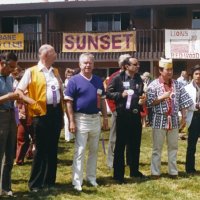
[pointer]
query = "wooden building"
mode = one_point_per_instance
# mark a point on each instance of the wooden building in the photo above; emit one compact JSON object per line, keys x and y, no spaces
{"x":45,"y":22}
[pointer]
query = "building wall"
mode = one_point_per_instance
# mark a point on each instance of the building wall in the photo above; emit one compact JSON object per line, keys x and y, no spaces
{"x":73,"y":20}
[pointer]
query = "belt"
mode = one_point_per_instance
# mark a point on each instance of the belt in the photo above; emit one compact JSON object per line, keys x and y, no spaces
{"x":134,"y":111}
{"x":52,"y":106}
{"x":88,"y":115}
{"x":7,"y":110}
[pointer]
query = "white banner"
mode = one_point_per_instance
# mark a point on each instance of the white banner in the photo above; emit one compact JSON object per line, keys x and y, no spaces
{"x":182,"y":44}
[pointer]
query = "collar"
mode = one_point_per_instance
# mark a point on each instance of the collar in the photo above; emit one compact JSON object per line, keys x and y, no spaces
{"x":89,"y":79}
{"x":41,"y":67}
{"x":195,"y":85}
{"x":129,"y":77}
{"x":161,"y":81}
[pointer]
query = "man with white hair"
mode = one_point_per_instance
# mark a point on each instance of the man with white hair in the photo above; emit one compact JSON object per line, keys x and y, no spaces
{"x":183,"y":78}
{"x":44,"y":85}
{"x":111,"y":104}
{"x":85,"y":97}
{"x":166,"y":97}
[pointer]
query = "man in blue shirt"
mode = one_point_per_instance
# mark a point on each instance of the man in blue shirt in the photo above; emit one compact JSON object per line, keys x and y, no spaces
{"x":85,"y":97}
{"x":8,"y":63}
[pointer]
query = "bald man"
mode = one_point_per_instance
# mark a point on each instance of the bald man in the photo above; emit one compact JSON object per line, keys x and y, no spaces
{"x":44,"y":86}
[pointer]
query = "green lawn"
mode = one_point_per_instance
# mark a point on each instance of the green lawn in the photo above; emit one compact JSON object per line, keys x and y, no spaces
{"x":185,"y":187}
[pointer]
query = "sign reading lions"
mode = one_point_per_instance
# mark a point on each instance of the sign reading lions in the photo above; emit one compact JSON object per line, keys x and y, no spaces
{"x":11,"y":41}
{"x":99,"y":42}
{"x":182,"y":44}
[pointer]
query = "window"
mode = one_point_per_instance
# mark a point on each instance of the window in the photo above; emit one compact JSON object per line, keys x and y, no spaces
{"x":107,"y":22}
{"x":30,"y":26}
{"x":21,"y":24}
{"x":176,"y":12}
{"x":196,"y":19}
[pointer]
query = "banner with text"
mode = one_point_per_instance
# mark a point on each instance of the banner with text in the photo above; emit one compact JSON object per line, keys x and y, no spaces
{"x":99,"y":42}
{"x":182,"y":44}
{"x":11,"y":41}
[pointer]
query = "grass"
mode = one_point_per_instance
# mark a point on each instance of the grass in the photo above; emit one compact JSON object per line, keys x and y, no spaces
{"x":185,"y":187}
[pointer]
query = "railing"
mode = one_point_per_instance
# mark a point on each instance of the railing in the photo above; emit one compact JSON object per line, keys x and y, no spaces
{"x":149,"y":44}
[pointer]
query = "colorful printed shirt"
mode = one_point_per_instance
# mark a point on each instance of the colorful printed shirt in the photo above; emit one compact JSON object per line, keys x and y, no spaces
{"x":180,"y":100}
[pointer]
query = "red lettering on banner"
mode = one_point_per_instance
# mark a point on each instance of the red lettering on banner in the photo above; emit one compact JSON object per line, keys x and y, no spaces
{"x":105,"y":43}
{"x":69,"y":43}
{"x":128,"y":39}
{"x":115,"y":41}
{"x":81,"y":41}
{"x":101,"y":42}
{"x":92,"y":41}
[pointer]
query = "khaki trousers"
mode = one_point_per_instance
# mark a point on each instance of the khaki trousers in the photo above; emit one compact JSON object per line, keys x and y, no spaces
{"x":158,"y":137}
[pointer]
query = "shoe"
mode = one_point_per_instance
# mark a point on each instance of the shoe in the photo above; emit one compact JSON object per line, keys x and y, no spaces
{"x":139,"y":175}
{"x":78,"y":188}
{"x":119,"y":181}
{"x":191,"y":172}
{"x":173,"y":176}
{"x":7,"y":193}
{"x":17,"y":163}
{"x":93,"y":183}
{"x":35,"y":190}
{"x":155,"y":177}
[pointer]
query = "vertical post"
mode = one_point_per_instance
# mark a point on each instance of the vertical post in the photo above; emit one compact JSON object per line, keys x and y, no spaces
{"x":46,"y":25}
{"x":151,"y":33}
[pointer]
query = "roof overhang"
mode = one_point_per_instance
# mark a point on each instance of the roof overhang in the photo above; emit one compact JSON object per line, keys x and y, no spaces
{"x":93,"y":3}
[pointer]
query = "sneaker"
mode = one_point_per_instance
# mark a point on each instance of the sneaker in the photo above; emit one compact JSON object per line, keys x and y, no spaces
{"x":78,"y":188}
{"x":93,"y":183}
{"x":7,"y":193}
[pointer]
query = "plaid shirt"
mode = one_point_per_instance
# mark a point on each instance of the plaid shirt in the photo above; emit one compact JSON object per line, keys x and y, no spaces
{"x":180,"y":101}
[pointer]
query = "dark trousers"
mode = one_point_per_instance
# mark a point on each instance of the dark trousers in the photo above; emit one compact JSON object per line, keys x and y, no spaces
{"x":128,"y":133}
{"x":24,"y":130}
{"x":193,"y":135}
{"x":7,"y":147}
{"x":47,"y":132}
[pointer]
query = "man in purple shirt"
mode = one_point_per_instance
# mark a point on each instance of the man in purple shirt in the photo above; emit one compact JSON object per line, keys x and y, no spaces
{"x":85,"y":97}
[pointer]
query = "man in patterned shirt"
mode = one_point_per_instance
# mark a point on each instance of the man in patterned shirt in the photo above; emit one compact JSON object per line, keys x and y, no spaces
{"x":166,"y":97}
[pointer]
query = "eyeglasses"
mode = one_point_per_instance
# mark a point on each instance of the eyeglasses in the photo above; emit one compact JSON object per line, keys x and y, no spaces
{"x":135,"y":64}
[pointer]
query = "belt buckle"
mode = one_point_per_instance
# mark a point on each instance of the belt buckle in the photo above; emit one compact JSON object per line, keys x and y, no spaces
{"x":135,"y":111}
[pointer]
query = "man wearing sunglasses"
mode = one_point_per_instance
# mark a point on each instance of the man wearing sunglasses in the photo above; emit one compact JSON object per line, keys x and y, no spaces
{"x":126,"y":89}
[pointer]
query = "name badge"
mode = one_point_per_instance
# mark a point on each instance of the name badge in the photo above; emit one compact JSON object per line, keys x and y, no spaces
{"x":126,"y":85}
{"x":99,"y":91}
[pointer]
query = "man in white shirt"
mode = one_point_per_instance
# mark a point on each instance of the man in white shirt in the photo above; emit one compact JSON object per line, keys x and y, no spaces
{"x":192,"y":119}
{"x":44,"y":84}
{"x":183,"y":78}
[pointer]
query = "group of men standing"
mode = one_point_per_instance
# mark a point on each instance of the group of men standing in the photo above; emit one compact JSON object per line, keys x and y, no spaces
{"x":165,"y":97}
{"x":84,"y":97}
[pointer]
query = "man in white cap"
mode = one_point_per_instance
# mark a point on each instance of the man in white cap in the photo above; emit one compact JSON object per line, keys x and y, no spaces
{"x":166,"y":97}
